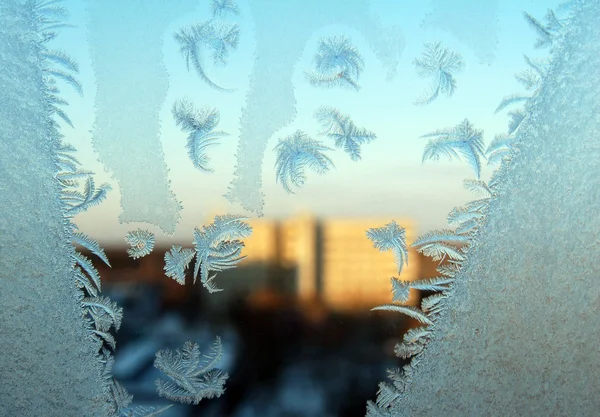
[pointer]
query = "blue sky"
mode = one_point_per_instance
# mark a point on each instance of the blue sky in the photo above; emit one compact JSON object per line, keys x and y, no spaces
{"x":389,"y":181}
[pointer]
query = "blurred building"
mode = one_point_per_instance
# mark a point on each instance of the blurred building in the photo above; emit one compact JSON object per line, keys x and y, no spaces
{"x":331,"y":262}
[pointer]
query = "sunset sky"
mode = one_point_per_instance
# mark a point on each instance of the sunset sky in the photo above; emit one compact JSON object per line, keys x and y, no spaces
{"x":390,"y":181}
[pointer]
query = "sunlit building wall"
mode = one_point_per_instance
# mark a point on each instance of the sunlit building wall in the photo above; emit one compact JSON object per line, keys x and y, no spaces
{"x":333,"y":260}
{"x":353,"y":273}
{"x":298,"y":237}
{"x":262,"y":244}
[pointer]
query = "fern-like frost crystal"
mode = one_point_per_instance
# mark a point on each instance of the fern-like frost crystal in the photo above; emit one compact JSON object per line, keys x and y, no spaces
{"x":462,"y":140}
{"x":439,"y":64}
{"x":531,"y":78}
{"x":84,"y":264}
{"x":441,"y":244}
{"x":68,"y":176}
{"x":176,"y":262}
{"x":499,"y":149}
{"x":412,"y":312}
{"x":193,"y":376}
{"x":91,"y":245}
{"x":547,"y":32}
{"x":103,"y":309}
{"x":218,"y":247}
{"x":400,"y":290}
{"x":77,"y":202}
{"x":391,"y":237}
{"x":56,"y":64}
{"x":294,"y":154}
{"x":219,"y":38}
{"x":222,"y":8}
{"x":338,"y":64}
{"x":343,"y":131}
{"x":200,"y":125}
{"x":141,"y":243}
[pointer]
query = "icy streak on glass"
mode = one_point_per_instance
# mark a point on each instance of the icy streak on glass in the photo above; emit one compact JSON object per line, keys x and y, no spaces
{"x":126,"y":41}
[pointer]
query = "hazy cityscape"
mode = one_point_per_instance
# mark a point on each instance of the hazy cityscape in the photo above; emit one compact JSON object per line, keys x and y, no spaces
{"x":330,"y":261}
{"x":294,"y":317}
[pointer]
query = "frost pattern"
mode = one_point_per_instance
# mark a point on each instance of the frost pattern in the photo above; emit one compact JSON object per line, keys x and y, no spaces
{"x":271,"y":91}
{"x":64,"y":368}
{"x":141,"y":243}
{"x":439,"y":63}
{"x":77,"y":202}
{"x":337,"y":64}
{"x":121,"y":399}
{"x":513,"y":333}
{"x":217,"y":247}
{"x":462,"y":139}
{"x":531,"y":78}
{"x":217,"y":37}
{"x":391,"y":237}
{"x":222,"y":8}
{"x":343,"y":131}
{"x":50,"y":20}
{"x":412,"y":312}
{"x":547,"y":32}
{"x":200,"y":125}
{"x":193,"y":375}
{"x":51,"y":360}
{"x":294,"y":154}
{"x":449,"y":248}
{"x":500,"y":148}
{"x":91,"y":245}
{"x":177,"y":260}
{"x":104,"y":314}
